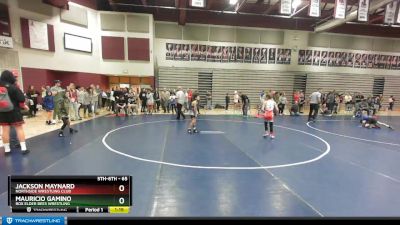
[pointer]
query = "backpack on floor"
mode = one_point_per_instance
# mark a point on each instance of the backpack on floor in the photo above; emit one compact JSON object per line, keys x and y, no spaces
{"x":5,"y":102}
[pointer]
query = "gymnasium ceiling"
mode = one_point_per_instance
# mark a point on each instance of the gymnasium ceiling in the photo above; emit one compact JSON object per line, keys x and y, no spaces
{"x":256,"y":13}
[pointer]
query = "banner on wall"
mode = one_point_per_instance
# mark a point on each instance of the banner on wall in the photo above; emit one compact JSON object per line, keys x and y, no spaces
{"x":5,"y":25}
{"x":349,"y":59}
{"x":232,"y":54}
{"x":324,"y":58}
{"x":316,"y":58}
{"x":6,"y":42}
{"x":264,"y":55}
{"x":38,"y":36}
{"x":203,"y":53}
{"x":271,"y":55}
{"x":283,"y":56}
{"x":340,"y":9}
{"x":170,"y":51}
{"x":398,"y":15}
{"x":390,"y":12}
{"x":227,"y":54}
{"x":314,"y":9}
{"x":185,"y":52}
{"x":286,"y":7}
{"x":256,"y":55}
{"x":363,"y":8}
{"x":248,"y":54}
{"x":240,"y":54}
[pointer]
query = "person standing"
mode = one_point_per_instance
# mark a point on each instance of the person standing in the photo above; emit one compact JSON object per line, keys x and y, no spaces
{"x":162,"y":100}
{"x":73,"y":102}
{"x":246,"y":103}
{"x":10,"y":110}
{"x":315,"y":100}
{"x":57,"y":92}
{"x":269,"y":106}
{"x":32,"y":95}
{"x":180,"y":100}
{"x":167,"y":100}
{"x":48,"y":106}
{"x":347,"y":102}
{"x":149,"y":101}
{"x":157,"y":100}
{"x":282,"y":103}
{"x":190,"y":98}
{"x":112,"y":100}
{"x":391,"y":102}
{"x":358,"y":99}
{"x":227,"y":100}
{"x":95,"y":100}
{"x":193,"y":115}
{"x":208,"y":100}
{"x":235,"y":101}
{"x":302,"y":100}
{"x":143,"y":99}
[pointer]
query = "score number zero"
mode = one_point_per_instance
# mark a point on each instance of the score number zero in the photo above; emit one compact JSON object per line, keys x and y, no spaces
{"x":121,"y":188}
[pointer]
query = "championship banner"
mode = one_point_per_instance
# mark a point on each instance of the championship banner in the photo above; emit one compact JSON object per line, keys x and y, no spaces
{"x":6,"y":42}
{"x":314,"y":10}
{"x":340,"y":9}
{"x":390,"y":12}
{"x":398,"y":16}
{"x":286,"y":7}
{"x":5,"y":25}
{"x":363,"y":8}
{"x":38,"y":35}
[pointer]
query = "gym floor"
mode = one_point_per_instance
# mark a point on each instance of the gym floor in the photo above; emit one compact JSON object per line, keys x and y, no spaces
{"x":329,"y":168}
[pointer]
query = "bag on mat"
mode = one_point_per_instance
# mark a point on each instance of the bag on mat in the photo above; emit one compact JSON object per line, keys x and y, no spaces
{"x":5,"y":102}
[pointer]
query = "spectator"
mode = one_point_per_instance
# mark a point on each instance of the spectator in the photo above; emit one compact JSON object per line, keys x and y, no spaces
{"x":149,"y":101}
{"x":32,"y":95}
{"x":208,"y":100}
{"x":157,"y":100}
{"x":348,"y":102}
{"x":282,"y":103}
{"x":143,"y":99}
{"x":294,"y":110}
{"x":246,"y":104}
{"x":302,"y":101}
{"x":48,"y":105}
{"x":73,"y":102}
{"x":180,"y":100}
{"x":121,"y":103}
{"x":391,"y":102}
{"x":315,"y":100}
{"x":11,"y":116}
{"x":227,"y":100}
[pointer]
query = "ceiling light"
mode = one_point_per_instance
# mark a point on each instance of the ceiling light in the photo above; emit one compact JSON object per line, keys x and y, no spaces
{"x":296,"y":3}
{"x":233,"y":2}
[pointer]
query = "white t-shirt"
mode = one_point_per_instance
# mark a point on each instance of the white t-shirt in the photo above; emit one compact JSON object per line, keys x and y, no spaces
{"x":347,"y":98}
{"x":112,"y":98}
{"x":269,"y":105}
{"x":315,"y":97}
{"x":236,"y":98}
{"x":180,"y":97}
